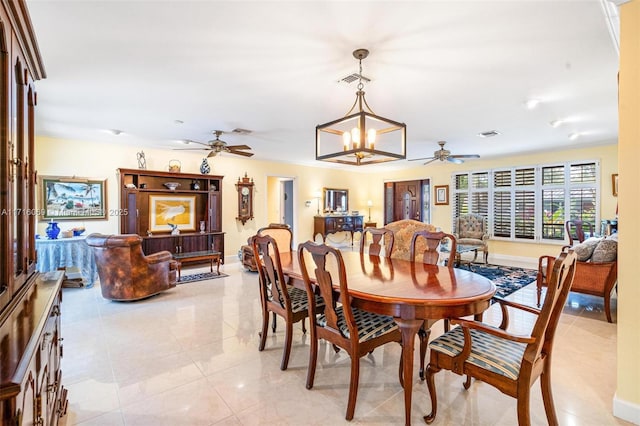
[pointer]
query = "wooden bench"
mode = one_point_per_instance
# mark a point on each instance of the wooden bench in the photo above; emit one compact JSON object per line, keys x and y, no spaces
{"x":198,"y":256}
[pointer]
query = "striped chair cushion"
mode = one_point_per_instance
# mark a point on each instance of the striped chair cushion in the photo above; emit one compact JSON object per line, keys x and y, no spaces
{"x":369,"y":325}
{"x":489,"y":352}
{"x":299,"y":299}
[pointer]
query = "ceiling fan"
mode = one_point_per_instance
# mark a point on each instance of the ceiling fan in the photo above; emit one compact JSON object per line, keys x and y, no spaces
{"x":445,"y":155}
{"x":217,"y":146}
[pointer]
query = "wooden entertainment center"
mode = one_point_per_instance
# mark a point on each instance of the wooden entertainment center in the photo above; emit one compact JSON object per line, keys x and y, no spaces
{"x":31,"y":391}
{"x":140,"y":192}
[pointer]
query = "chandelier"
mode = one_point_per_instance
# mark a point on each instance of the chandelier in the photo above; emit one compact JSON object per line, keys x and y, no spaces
{"x":361,"y":137}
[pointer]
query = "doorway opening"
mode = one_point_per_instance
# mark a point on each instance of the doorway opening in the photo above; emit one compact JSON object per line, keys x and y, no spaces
{"x":280,"y":201}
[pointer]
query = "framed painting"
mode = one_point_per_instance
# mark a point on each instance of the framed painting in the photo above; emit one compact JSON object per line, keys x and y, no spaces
{"x":614,"y":184}
{"x":442,"y":195}
{"x":167,"y":211}
{"x":72,"y":198}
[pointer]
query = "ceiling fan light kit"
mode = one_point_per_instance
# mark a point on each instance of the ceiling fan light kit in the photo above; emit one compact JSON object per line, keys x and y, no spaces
{"x":361,"y":137}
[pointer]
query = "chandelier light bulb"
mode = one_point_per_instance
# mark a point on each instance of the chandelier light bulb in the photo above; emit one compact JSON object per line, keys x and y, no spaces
{"x":346,"y":140}
{"x":355,"y":136}
{"x":371,"y":137}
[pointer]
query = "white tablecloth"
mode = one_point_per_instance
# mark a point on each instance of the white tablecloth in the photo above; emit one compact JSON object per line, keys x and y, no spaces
{"x":65,"y":252}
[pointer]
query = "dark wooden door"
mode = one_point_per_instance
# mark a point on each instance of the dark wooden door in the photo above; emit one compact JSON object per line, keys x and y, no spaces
{"x":404,"y":200}
{"x":407,"y":200}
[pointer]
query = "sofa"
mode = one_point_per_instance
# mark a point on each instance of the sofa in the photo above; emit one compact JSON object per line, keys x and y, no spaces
{"x":596,"y":269}
{"x":403,"y":231}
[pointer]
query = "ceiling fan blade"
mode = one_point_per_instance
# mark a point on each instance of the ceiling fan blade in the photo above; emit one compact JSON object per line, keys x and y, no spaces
{"x":454,"y":160}
{"x":245,"y":154}
{"x":465,"y":156}
{"x":232,"y":147}
{"x":430,"y":161}
{"x":419,"y":159}
{"x":188,"y":149}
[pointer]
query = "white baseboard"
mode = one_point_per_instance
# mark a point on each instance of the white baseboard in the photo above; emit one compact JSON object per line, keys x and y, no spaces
{"x":521,"y":261}
{"x":626,"y":410}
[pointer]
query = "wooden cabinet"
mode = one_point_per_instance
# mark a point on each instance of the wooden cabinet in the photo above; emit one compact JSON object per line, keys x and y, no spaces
{"x":198,"y":198}
{"x":325,"y":225}
{"x":31,"y":391}
{"x":31,"y":346}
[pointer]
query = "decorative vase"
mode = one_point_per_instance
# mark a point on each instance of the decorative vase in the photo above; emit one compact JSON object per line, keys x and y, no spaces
{"x":52,"y":230}
{"x":204,"y":167}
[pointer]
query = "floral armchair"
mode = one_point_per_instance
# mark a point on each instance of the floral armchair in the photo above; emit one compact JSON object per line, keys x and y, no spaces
{"x":403,"y":231}
{"x":472,"y":230}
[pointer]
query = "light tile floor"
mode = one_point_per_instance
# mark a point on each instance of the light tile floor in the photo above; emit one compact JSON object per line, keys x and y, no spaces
{"x":189,"y":356}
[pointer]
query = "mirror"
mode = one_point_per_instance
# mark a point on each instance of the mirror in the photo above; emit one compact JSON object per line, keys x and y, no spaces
{"x":336,"y":200}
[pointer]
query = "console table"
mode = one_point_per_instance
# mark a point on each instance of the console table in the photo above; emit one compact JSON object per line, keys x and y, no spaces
{"x":325,"y":225}
{"x":64,"y":252}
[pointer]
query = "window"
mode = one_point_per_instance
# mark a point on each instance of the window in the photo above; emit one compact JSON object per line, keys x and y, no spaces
{"x":531,"y":202}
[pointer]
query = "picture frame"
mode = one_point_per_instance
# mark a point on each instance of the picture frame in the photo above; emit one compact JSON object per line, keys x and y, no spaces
{"x":614,"y":184}
{"x":72,"y":198}
{"x":178,"y":210}
{"x":441,"y":195}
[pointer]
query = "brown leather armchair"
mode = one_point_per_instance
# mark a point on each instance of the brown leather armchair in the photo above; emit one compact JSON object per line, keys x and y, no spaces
{"x":124,"y":270}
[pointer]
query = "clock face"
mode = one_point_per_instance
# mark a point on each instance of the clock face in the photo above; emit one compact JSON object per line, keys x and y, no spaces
{"x":245,"y":191}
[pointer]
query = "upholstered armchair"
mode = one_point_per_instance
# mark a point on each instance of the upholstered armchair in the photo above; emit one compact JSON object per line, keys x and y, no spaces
{"x":472,"y":230}
{"x":124,"y":270}
{"x":281,"y":232}
{"x":403,"y":231}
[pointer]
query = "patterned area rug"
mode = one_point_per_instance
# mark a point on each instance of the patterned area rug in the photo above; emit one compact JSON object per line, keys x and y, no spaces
{"x":506,"y":278}
{"x":190,"y":278}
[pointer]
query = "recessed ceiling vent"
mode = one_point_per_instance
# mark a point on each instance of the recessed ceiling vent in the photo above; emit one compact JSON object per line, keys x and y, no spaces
{"x":489,"y":134}
{"x":242,"y":131}
{"x":353,"y":78}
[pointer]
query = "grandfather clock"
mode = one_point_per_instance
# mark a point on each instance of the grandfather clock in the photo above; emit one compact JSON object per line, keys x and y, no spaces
{"x":244,"y":186}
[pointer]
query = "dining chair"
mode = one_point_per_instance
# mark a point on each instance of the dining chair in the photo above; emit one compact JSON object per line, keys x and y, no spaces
{"x":277,"y":296}
{"x":430,"y":253}
{"x":380,"y":238}
{"x":356,"y":331}
{"x":575,"y":230}
{"x":510,"y":362}
{"x":430,"y":256}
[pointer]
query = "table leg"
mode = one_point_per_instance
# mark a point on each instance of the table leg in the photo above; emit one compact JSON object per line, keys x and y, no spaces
{"x":179,"y":269}
{"x":408,"y":328}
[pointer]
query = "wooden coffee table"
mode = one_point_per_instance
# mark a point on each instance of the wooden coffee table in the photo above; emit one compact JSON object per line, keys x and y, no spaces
{"x":198,"y":256}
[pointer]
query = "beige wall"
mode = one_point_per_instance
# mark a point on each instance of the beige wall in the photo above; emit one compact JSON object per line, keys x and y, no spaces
{"x":99,"y":160}
{"x":627,"y":399}
{"x":440,"y":174}
{"x":59,"y":157}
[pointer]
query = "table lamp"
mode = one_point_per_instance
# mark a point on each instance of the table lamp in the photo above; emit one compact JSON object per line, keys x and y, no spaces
{"x":369,"y":204}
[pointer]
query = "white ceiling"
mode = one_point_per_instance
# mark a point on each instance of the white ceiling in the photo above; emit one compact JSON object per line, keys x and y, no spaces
{"x":448,"y":69}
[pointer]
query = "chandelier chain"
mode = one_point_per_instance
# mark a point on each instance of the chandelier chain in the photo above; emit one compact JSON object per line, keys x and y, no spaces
{"x":360,"y":85}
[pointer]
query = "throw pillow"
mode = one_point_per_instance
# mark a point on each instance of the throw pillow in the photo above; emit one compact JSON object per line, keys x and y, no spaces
{"x":585,"y":249}
{"x":605,"y":251}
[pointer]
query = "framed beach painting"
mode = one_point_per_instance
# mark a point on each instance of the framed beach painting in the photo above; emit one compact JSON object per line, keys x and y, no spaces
{"x":72,"y":198}
{"x":165,"y":211}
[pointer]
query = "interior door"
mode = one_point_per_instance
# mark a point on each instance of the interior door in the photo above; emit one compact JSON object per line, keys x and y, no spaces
{"x":407,"y":200}
{"x":404,"y":200}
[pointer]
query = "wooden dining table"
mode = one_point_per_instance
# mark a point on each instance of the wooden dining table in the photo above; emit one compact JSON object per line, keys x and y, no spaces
{"x":411,"y":292}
